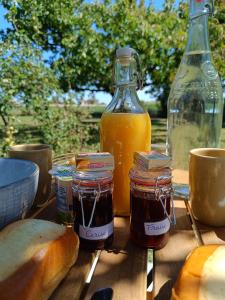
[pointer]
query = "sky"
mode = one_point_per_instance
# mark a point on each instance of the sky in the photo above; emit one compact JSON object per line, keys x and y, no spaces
{"x":100,"y":96}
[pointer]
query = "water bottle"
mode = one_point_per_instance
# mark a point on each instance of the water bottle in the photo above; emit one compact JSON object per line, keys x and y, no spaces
{"x":195,"y":104}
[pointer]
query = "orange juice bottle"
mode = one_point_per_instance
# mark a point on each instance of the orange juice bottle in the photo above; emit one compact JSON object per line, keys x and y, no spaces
{"x":125,"y":126}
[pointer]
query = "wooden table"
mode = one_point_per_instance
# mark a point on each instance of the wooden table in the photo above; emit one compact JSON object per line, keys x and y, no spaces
{"x":124,"y":266}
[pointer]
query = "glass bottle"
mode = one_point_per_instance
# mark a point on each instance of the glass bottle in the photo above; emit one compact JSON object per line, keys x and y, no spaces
{"x":195,"y":104}
{"x":125,"y":125}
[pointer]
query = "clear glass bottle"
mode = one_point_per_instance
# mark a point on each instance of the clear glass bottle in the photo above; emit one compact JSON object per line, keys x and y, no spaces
{"x":125,"y":126}
{"x":195,"y":104}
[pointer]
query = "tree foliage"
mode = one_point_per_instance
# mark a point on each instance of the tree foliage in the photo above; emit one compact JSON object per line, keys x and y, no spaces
{"x":82,"y":37}
{"x":63,"y":46}
{"x":27,"y":84}
{"x":23,"y":79}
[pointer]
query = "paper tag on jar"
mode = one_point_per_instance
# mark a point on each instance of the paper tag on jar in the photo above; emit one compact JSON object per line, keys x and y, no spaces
{"x":157,"y":228}
{"x":96,"y":233}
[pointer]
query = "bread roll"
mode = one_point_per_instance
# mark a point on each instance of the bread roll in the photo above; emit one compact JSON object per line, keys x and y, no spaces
{"x":202,"y":276}
{"x":35,"y":255}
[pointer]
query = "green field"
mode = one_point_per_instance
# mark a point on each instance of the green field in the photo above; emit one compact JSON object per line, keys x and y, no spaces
{"x":28,"y":128}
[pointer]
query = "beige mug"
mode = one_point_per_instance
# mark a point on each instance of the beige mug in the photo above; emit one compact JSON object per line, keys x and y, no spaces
{"x":207,"y":185}
{"x":41,"y":154}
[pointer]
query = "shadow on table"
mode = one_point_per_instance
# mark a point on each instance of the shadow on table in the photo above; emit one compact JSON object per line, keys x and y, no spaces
{"x":165,"y":291}
{"x":182,"y":219}
{"x":122,"y":267}
{"x":212,"y":234}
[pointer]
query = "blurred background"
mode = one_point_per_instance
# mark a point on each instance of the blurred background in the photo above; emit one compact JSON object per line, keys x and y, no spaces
{"x":56,"y":61}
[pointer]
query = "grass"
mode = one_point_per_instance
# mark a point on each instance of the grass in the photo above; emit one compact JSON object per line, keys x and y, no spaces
{"x":28,"y":129}
{"x":159,"y":132}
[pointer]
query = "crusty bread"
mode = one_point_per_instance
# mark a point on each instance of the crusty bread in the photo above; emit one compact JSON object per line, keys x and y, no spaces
{"x":203,"y":275}
{"x":35,"y":255}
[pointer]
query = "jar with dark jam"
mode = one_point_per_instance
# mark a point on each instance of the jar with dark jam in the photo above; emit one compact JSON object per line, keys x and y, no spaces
{"x":151,"y":206}
{"x":93,"y":209}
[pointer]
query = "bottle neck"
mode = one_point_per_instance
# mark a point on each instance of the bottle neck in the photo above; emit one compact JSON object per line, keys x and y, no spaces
{"x":126,"y":84}
{"x":126,"y":92}
{"x":125,"y":99}
{"x":126,"y":89}
{"x":125,"y":77}
{"x":198,"y":35}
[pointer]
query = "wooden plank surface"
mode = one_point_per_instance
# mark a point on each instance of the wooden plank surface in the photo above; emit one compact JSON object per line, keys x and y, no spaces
{"x":123,"y":267}
{"x":187,"y":234}
{"x":180,"y":176}
{"x":72,"y":285}
{"x":169,"y":260}
{"x":211,"y":235}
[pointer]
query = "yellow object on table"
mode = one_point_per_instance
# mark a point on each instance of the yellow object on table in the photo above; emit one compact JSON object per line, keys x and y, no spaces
{"x":122,"y":134}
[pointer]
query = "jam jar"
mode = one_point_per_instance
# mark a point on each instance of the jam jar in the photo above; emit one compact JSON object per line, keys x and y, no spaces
{"x":152,"y":209}
{"x":93,"y":208}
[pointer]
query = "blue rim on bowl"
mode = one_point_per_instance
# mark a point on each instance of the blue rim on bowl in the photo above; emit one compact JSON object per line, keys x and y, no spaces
{"x":33,"y":168}
{"x":18,"y":187}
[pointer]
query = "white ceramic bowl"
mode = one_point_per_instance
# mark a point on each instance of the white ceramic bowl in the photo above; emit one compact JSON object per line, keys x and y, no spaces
{"x":18,"y":187}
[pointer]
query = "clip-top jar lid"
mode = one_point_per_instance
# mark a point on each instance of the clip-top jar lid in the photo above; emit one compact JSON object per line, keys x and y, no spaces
{"x":92,"y":179}
{"x":149,"y":177}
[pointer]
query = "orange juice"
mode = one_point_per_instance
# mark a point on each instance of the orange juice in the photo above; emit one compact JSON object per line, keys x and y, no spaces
{"x":122,"y":134}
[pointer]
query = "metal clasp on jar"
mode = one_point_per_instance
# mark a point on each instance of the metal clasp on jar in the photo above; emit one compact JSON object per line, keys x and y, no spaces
{"x":97,"y":196}
{"x":162,"y":193}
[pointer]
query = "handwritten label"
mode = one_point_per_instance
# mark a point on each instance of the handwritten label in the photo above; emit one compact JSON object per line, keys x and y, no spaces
{"x":96,"y":233}
{"x":157,"y":228}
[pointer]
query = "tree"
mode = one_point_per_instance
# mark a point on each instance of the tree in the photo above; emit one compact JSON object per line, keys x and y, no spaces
{"x":81,"y":38}
{"x":24,"y":79}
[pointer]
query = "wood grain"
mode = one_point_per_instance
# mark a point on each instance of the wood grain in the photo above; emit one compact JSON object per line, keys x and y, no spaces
{"x":211,"y":235}
{"x":204,"y":234}
{"x":180,"y":176}
{"x":169,"y":260}
{"x":72,"y":286}
{"x":123,"y":267}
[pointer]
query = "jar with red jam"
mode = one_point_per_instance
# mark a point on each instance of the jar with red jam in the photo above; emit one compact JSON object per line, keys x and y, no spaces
{"x":93,"y":208}
{"x":151,"y":206}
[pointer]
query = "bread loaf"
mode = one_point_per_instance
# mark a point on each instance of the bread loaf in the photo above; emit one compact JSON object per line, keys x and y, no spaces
{"x":203,"y":275}
{"x":35,"y":255}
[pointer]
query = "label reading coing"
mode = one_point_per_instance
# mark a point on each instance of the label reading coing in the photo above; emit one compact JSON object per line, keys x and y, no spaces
{"x":96,"y":233}
{"x":157,"y":228}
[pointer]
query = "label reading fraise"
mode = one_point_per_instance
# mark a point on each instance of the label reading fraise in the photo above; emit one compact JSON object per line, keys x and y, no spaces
{"x":157,"y":228}
{"x":96,"y":233}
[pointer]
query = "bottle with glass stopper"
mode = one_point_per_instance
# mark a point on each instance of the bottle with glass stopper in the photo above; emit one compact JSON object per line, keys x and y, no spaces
{"x":195,"y":104}
{"x":125,"y":125}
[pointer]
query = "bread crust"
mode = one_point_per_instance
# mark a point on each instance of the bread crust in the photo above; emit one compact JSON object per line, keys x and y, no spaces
{"x":38,"y":277}
{"x":188,"y":282}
